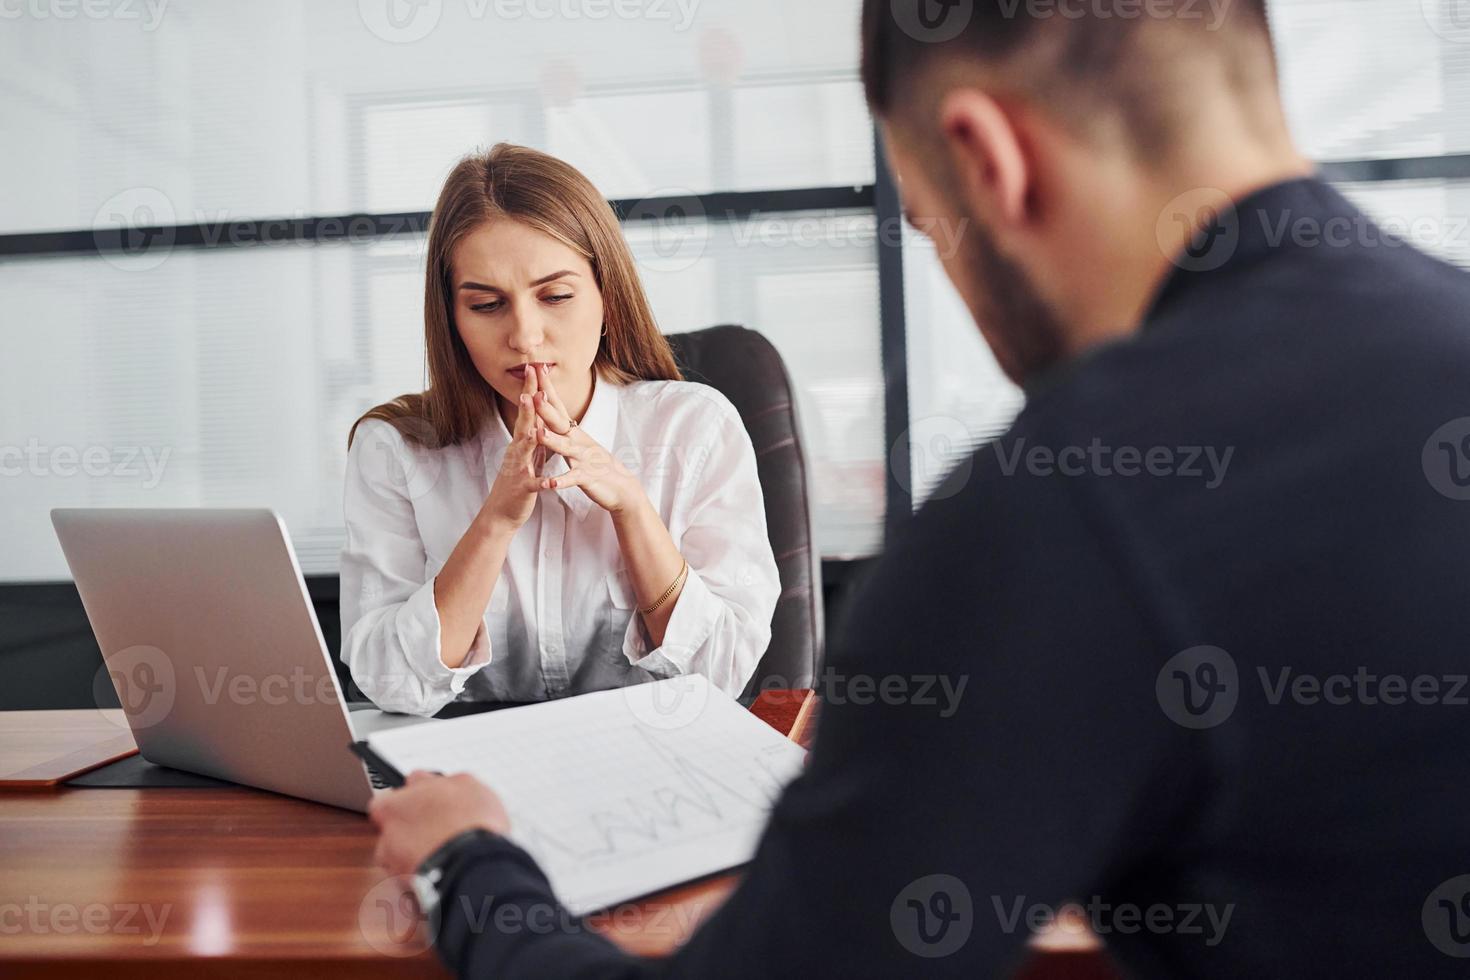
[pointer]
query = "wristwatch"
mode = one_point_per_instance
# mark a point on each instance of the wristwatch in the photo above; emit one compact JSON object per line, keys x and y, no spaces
{"x":431,"y":876}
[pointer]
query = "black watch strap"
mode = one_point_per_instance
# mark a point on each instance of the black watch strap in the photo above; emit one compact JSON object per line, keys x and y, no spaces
{"x":446,"y":855}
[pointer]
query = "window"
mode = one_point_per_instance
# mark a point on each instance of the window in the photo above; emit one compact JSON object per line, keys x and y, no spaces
{"x":239,"y":367}
{"x":1375,"y":80}
{"x":229,"y":375}
{"x":1362,"y":80}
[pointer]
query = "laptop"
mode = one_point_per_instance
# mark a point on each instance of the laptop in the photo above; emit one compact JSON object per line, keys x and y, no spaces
{"x":209,"y":639}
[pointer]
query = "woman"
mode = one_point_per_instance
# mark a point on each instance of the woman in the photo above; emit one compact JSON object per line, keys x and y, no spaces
{"x":559,"y":512}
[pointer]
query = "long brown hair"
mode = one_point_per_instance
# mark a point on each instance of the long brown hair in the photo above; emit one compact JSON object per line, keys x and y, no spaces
{"x":554,"y":198}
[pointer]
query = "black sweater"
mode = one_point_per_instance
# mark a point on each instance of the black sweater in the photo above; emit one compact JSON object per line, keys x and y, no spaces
{"x":1209,"y":600}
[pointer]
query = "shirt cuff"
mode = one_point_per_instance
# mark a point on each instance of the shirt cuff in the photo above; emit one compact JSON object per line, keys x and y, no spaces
{"x":419,"y":633}
{"x":696,"y":613}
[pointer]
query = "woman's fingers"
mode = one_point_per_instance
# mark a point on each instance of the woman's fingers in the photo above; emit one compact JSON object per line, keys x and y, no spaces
{"x":526,"y":413}
{"x":571,"y":478}
{"x":550,"y":405}
{"x":530,"y":385}
{"x":533,"y":456}
{"x":539,"y":456}
{"x":555,"y":418}
{"x":557,"y":443}
{"x":525,"y":417}
{"x":551,"y":393}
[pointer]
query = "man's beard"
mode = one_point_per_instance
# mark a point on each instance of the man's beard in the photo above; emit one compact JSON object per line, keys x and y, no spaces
{"x":1023,"y":331}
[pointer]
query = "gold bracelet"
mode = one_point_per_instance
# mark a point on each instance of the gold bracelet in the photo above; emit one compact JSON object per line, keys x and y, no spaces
{"x":670,"y":591}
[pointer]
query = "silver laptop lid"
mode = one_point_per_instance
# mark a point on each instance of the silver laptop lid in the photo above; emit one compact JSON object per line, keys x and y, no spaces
{"x":209,"y":637}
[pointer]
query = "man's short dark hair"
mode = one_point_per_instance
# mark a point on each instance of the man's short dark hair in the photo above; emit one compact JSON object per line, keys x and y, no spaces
{"x":1086,"y":55}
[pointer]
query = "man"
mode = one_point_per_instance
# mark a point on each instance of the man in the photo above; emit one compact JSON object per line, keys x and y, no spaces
{"x":1209,"y":593}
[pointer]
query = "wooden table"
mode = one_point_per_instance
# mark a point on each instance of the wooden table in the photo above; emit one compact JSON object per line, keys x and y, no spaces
{"x":41,"y":748}
{"x":143,"y":883}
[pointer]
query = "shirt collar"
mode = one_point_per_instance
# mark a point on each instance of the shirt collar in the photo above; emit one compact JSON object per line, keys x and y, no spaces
{"x":1243,"y":233}
{"x":600,"y":421}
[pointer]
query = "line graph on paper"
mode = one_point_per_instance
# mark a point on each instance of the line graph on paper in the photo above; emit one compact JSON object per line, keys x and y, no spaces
{"x":611,"y":807}
{"x":680,"y":800}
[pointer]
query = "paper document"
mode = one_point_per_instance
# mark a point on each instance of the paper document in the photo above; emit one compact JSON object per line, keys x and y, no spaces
{"x":619,"y":793}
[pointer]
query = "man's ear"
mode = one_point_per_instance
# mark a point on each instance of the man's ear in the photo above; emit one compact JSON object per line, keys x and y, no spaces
{"x":987,"y":154}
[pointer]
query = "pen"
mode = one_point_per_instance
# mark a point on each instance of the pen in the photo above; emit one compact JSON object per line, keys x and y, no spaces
{"x":385,"y":770}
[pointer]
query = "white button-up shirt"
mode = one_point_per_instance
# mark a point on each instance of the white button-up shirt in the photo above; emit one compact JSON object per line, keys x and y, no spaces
{"x":562,"y":618}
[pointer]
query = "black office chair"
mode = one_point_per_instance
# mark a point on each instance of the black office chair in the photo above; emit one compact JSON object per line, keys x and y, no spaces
{"x":747,"y":369}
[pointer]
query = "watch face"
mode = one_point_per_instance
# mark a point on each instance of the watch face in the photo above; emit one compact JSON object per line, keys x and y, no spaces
{"x":428,"y":897}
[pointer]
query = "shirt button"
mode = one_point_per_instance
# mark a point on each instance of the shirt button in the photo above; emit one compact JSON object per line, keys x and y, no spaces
{"x":549,"y":553}
{"x":552,"y":648}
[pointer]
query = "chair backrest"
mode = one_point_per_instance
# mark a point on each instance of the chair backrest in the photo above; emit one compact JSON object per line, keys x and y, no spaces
{"x":747,"y":369}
